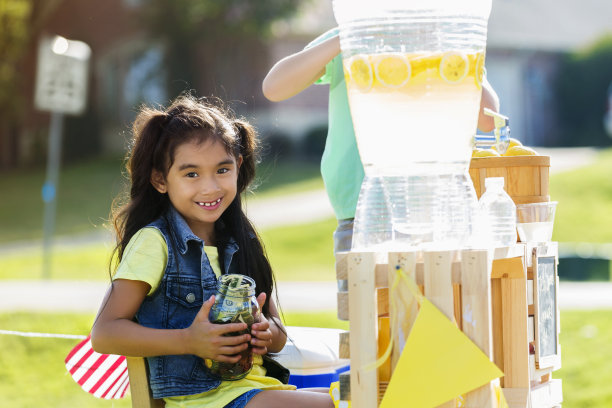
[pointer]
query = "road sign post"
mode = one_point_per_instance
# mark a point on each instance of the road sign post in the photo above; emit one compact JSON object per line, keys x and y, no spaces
{"x":61,"y":88}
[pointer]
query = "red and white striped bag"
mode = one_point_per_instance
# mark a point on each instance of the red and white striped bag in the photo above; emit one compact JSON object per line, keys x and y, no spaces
{"x":103,"y":375}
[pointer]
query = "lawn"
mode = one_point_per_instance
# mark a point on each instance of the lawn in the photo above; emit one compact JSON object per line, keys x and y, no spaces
{"x":302,"y":252}
{"x":585,"y":200}
{"x":37,"y":364}
{"x":86,"y":191}
{"x":32,"y":371}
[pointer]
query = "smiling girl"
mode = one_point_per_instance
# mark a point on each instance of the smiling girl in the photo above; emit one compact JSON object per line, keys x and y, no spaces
{"x":182,"y":227}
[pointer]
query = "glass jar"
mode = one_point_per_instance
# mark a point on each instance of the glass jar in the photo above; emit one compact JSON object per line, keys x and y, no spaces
{"x":235,"y":302}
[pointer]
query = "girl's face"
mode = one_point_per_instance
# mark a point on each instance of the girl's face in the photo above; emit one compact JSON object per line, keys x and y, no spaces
{"x":201,"y":184}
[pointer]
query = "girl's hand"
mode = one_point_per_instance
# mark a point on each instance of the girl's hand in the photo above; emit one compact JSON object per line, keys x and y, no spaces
{"x":209,"y":340}
{"x":262,"y":335}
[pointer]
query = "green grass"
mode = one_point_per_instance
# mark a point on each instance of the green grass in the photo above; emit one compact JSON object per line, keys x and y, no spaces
{"x":37,"y":365}
{"x":86,"y":191}
{"x":586,"y":351}
{"x":32,"y":370}
{"x":300,"y":252}
{"x":84,"y":197}
{"x":585,"y":201}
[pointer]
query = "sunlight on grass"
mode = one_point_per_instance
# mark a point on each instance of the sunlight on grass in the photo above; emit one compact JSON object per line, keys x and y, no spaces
{"x":586,"y":374}
{"x":299,"y":252}
{"x":89,"y":262}
{"x":585,"y":201}
{"x":302,"y":252}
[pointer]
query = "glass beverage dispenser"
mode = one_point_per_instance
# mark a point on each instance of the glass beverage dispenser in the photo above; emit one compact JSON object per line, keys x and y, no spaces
{"x":414,"y":72}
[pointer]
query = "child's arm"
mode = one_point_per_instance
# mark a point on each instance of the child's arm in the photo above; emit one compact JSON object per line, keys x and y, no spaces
{"x":114,"y":331}
{"x":489,"y":100}
{"x":294,"y":73}
{"x":268,"y":334}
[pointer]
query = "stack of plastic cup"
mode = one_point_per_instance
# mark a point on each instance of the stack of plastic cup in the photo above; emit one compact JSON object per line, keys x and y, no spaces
{"x":414,"y":72}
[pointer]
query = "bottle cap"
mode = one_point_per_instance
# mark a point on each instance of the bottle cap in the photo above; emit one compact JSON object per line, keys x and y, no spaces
{"x":492,"y":182}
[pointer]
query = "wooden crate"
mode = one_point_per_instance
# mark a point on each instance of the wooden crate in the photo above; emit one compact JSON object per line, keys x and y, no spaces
{"x":492,"y":285}
{"x":526,"y":177}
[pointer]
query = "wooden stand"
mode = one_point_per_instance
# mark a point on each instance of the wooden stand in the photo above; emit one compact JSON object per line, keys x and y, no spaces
{"x":501,"y":298}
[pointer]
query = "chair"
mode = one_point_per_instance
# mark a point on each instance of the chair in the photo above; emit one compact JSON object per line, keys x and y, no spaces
{"x":139,"y":384}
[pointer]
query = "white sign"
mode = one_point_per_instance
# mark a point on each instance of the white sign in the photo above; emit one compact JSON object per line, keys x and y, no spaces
{"x":62,"y":75}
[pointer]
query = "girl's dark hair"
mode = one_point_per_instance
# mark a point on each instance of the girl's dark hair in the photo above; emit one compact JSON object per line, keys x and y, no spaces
{"x":156,"y":136}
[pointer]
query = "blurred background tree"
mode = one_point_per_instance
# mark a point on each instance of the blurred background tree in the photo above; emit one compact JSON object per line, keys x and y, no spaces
{"x":581,"y":94}
{"x":228,"y":36}
{"x":14,"y":37}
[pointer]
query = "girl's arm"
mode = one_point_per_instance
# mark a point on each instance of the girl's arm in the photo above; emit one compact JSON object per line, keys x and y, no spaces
{"x":489,"y":100}
{"x":269,"y":335}
{"x":298,"y":71}
{"x":115,"y":332}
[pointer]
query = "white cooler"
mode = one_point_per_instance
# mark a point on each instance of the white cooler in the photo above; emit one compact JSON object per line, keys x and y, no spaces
{"x":311,"y":355}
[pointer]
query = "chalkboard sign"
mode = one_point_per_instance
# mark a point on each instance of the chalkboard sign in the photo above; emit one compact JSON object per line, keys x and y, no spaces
{"x":546,"y":330}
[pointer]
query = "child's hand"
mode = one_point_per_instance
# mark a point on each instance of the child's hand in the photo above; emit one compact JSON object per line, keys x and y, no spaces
{"x":209,"y":340}
{"x":262,"y":335}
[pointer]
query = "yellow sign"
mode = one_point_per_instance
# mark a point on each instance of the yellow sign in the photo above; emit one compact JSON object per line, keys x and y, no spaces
{"x":438,"y":363}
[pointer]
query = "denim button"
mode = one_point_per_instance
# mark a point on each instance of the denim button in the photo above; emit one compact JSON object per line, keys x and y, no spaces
{"x":190,"y":298}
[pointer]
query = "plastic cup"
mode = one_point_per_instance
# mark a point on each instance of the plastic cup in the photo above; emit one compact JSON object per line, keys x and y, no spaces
{"x":534,"y":221}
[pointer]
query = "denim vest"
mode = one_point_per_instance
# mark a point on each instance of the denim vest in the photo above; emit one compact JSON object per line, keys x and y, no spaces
{"x":187,"y":282}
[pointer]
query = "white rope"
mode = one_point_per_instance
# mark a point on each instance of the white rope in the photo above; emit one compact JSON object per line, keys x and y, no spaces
{"x":43,"y":335}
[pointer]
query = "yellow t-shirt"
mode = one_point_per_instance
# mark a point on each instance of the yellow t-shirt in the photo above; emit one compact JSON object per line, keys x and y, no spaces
{"x":145,"y":259}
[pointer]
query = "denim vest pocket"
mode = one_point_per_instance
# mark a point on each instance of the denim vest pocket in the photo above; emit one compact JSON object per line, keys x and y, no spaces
{"x":185,"y":298}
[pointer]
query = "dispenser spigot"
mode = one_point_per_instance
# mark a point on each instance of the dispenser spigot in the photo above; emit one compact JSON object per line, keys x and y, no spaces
{"x":501,"y":138}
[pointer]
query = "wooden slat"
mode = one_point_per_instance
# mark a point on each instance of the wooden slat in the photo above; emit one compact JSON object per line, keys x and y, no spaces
{"x":382,"y":303}
{"x":497,"y":324}
{"x":384,"y":335}
{"x":362,"y":318}
{"x":508,"y":268}
{"x":407,"y":261}
{"x":438,"y":282}
{"x":515,"y":329}
{"x":341,"y":265}
{"x":343,"y":305}
{"x":516,"y":397}
{"x":509,"y":161}
{"x":344,"y":345}
{"x":476,"y":300}
{"x":439,"y":288}
{"x":139,"y":384}
{"x":457,"y":304}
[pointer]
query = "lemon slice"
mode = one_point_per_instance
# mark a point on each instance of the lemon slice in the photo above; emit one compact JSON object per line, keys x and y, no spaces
{"x":454,"y":67}
{"x":393,"y":71}
{"x":360,"y":71}
{"x":479,"y":69}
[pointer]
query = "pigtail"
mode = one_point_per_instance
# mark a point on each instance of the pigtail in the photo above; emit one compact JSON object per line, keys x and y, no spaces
{"x":249,"y":150}
{"x":145,"y":203}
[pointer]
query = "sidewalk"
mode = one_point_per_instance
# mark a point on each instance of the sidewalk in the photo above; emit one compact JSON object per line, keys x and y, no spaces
{"x":86,"y":296}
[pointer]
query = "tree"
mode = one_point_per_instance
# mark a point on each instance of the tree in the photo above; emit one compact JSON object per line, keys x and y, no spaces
{"x":14,"y":38}
{"x":583,"y":81}
{"x":228,"y":36}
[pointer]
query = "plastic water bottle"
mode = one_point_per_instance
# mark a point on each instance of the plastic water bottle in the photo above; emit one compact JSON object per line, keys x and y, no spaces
{"x":372,"y":227}
{"x":497,"y":211}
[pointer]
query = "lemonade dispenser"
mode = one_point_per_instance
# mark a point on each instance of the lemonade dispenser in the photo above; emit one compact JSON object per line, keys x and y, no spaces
{"x":414,"y":72}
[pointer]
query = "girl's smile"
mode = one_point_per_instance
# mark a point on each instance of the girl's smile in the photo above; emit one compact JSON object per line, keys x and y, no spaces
{"x":210,"y":205}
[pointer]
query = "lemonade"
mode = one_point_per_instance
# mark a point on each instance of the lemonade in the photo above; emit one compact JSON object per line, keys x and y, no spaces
{"x":422,"y":106}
